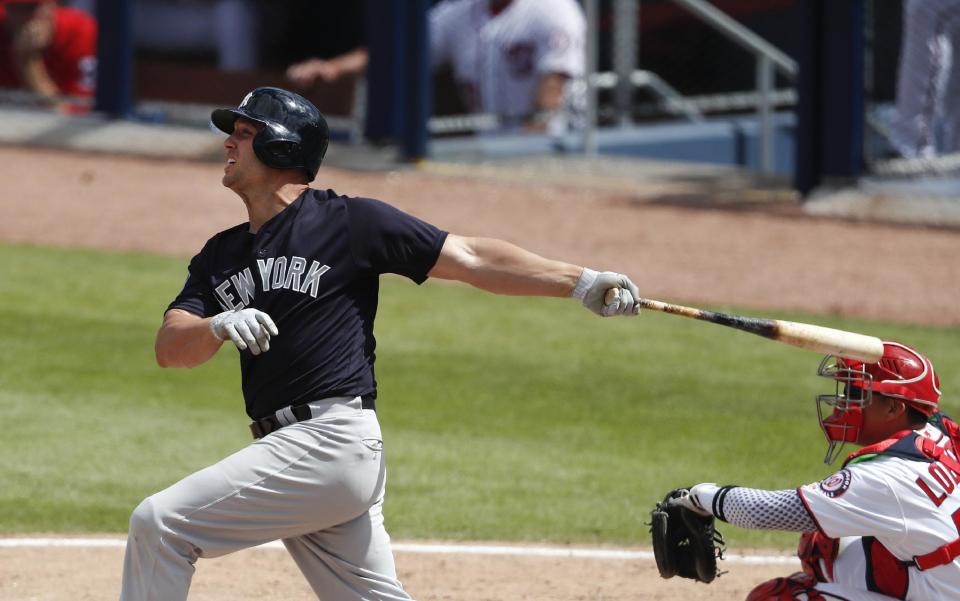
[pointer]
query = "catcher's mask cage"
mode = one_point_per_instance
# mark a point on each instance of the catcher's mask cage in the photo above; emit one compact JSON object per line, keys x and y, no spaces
{"x":294,"y":133}
{"x":901,"y":373}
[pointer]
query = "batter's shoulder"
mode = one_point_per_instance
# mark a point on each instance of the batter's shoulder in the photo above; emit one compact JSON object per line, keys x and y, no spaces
{"x":232,"y":232}
{"x":325,"y":196}
{"x":227,"y":239}
{"x":361,"y":201}
{"x":325,"y":203}
{"x":332,"y":201}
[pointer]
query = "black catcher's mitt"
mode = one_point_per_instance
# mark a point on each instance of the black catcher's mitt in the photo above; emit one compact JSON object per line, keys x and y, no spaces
{"x":685,"y":543}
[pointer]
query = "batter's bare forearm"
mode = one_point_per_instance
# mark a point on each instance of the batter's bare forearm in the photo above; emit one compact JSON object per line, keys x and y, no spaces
{"x":504,"y":268}
{"x":185,"y":340}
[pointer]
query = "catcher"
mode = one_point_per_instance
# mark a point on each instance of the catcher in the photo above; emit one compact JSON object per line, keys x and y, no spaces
{"x":885,"y":526}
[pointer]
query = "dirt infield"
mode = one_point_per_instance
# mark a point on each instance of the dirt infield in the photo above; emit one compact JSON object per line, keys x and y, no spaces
{"x":88,"y":574}
{"x":768,"y":256}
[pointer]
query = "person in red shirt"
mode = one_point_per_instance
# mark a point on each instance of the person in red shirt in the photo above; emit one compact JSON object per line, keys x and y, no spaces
{"x":50,"y":51}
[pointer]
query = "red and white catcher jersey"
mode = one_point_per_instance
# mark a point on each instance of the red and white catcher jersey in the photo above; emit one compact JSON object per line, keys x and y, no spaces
{"x":898,"y":507}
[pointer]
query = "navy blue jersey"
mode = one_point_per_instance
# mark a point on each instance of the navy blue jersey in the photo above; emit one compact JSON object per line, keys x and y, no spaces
{"x":314,"y":268}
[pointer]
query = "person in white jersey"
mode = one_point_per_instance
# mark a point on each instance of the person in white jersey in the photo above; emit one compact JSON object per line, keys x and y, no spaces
{"x":885,"y":526}
{"x":514,"y":59}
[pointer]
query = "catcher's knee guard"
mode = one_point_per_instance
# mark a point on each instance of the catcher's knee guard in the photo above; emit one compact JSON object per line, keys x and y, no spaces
{"x":798,"y":587}
{"x":817,"y":554}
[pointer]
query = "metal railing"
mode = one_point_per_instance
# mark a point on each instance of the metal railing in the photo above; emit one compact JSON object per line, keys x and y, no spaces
{"x":715,"y":103}
{"x":667,"y":95}
{"x":769,"y":60}
{"x":737,"y":33}
{"x":768,"y":57}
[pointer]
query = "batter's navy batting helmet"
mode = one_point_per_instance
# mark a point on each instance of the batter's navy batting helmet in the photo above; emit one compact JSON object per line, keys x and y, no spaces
{"x":294,"y":133}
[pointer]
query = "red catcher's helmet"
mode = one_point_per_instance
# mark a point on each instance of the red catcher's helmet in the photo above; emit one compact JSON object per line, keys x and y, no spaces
{"x":901,"y":373}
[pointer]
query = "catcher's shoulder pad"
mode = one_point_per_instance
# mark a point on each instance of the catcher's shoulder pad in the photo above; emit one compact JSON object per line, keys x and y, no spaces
{"x":685,"y":543}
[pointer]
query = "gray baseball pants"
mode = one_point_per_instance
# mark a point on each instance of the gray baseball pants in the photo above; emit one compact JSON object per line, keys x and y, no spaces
{"x":318,"y":485}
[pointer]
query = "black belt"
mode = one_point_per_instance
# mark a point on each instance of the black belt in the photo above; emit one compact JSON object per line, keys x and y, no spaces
{"x":265,"y":425}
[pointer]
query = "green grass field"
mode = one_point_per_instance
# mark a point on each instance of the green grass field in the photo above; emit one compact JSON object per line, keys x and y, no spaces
{"x":504,"y":418}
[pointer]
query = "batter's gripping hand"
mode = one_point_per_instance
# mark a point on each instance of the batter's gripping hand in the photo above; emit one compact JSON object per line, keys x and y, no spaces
{"x":247,"y":328}
{"x":592,"y":289}
{"x":685,"y":542}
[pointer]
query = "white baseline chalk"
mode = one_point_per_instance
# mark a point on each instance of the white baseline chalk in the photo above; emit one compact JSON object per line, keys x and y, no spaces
{"x":426,"y":548}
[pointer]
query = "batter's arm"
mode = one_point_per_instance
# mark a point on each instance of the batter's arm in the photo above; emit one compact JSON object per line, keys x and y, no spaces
{"x":503,"y":268}
{"x":185,"y":340}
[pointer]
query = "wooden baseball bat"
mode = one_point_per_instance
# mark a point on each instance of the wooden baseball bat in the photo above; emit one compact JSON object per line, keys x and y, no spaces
{"x":804,"y":335}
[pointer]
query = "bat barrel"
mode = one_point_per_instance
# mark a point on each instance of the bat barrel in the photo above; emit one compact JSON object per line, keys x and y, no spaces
{"x":803,"y":335}
{"x":868,"y":349}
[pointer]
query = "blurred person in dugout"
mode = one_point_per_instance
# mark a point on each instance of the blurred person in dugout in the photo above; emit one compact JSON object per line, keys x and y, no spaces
{"x":927,"y":119}
{"x":516,"y":59}
{"x":49,"y":50}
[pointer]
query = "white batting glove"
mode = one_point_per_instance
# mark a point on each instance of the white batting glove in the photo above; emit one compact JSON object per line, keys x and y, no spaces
{"x":247,"y":328}
{"x":592,"y":288}
{"x":698,"y":499}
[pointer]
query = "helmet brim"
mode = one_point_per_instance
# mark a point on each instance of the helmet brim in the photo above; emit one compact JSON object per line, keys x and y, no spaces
{"x":224,"y":119}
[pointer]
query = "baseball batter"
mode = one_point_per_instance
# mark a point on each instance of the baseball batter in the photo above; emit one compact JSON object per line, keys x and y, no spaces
{"x":513,"y":58}
{"x":295,"y":289}
{"x":887,"y":524}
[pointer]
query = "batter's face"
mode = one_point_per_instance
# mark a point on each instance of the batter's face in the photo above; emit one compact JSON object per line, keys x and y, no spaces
{"x":243,"y":170}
